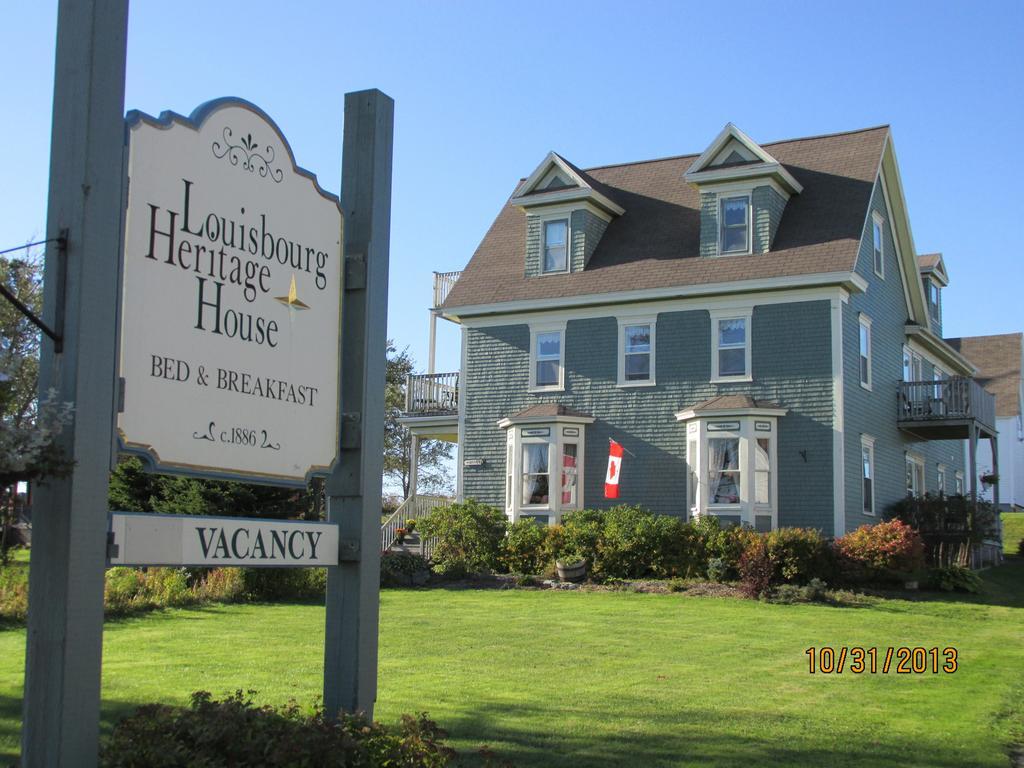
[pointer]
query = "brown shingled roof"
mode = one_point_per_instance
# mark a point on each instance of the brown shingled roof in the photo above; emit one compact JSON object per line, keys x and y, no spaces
{"x":999,"y":360}
{"x":929,"y":260}
{"x":655,"y":244}
{"x":732,"y":403}
{"x":548,"y":410}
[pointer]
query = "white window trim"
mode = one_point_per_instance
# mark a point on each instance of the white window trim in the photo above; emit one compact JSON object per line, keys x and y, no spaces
{"x":536,"y":330}
{"x":958,"y":479}
{"x":918,"y":461}
{"x":867,"y":442}
{"x":863,"y":321}
{"x":942,"y":479}
{"x":746,"y":314}
{"x":722,"y":196}
{"x":565,"y":216}
{"x":624,"y":321}
{"x":877,"y":218}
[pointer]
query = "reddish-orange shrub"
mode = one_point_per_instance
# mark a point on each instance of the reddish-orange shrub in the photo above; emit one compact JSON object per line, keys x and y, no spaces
{"x":891,"y":547}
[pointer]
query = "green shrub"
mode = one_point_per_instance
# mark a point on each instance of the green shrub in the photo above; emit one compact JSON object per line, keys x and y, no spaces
{"x":799,"y":555}
{"x":954,"y":578}
{"x":220,"y":585}
{"x":237,"y":732}
{"x":886,"y":551}
{"x":815,"y":591}
{"x":269,"y":584}
{"x":403,"y":569}
{"x":717,"y":569}
{"x":757,"y":571}
{"x":525,"y":549}
{"x":469,"y":537}
{"x":122,"y":589}
{"x":166,"y":587}
{"x":725,"y":545}
{"x":630,"y":544}
{"x":13,"y":592}
{"x":579,"y":536}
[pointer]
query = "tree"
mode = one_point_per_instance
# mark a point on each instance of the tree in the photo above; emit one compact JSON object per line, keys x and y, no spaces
{"x":434,"y":472}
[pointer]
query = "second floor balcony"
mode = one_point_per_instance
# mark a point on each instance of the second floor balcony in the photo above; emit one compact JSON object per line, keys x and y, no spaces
{"x":432,"y":394}
{"x":945,"y":409}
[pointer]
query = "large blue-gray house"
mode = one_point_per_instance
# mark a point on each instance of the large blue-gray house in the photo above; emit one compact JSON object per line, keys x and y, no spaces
{"x":752,"y":324}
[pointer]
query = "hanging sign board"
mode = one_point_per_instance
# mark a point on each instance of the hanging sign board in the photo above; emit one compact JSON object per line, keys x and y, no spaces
{"x":197,"y":540}
{"x":231,"y":300}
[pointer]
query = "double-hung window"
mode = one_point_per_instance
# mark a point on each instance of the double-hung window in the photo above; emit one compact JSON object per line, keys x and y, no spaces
{"x":734,"y":232}
{"x":636,"y":351}
{"x":556,"y":249}
{"x":940,"y":481}
{"x":865,"y":352}
{"x":878,"y":244}
{"x":959,"y":483}
{"x":724,"y":473}
{"x":867,"y":460}
{"x":730,"y":346}
{"x":915,"y":475}
{"x":547,"y":350}
{"x":536,"y":474}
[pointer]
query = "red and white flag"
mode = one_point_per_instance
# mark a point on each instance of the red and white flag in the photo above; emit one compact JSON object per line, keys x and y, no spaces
{"x":611,"y":480}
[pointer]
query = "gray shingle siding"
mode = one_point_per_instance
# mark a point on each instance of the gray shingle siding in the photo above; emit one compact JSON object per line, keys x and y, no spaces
{"x":767,"y":206}
{"x":874,"y":412}
{"x":643,"y":418}
{"x":585,"y":230}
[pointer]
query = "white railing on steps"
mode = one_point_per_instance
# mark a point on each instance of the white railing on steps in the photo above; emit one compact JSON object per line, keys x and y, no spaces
{"x":413,"y":508}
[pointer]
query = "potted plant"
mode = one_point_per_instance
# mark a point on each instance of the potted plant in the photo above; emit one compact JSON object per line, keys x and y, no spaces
{"x":410,"y":525}
{"x":400,"y":534}
{"x":571,"y":566}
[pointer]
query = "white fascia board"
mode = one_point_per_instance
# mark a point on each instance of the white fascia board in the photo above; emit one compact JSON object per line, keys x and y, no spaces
{"x":769,"y":170}
{"x":552,"y":158}
{"x":717,"y":413}
{"x":513,"y":422}
{"x":788,"y":288}
{"x":567,"y":195}
{"x":925,"y":341}
{"x":729,"y":132}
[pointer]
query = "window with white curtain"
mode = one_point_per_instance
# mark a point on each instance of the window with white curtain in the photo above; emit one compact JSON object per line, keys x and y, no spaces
{"x":730,"y":345}
{"x":536,"y":478}
{"x":545,"y":466}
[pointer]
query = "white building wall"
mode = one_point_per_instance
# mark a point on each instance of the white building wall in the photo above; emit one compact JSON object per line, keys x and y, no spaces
{"x":1011,"y":462}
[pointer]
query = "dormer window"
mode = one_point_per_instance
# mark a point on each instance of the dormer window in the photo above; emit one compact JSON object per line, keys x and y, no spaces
{"x":734,"y":235}
{"x":556,"y":252}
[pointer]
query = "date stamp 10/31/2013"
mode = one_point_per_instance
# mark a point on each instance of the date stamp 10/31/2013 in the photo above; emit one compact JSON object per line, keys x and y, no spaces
{"x":901,"y":660}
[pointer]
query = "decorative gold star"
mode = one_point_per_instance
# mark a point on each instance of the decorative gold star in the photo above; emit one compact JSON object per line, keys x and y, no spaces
{"x":292,"y":300}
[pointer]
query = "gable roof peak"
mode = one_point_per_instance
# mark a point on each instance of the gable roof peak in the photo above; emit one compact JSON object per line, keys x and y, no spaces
{"x":556,"y":180}
{"x":734,"y":155}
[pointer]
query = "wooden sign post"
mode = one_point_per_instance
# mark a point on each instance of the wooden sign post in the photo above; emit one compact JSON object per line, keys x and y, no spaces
{"x":247,"y":330}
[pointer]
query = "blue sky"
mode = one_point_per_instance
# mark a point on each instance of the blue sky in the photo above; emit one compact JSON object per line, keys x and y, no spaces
{"x":483,"y":90}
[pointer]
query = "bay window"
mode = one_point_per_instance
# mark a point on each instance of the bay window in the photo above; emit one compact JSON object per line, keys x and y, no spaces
{"x":731,"y":464}
{"x":544,"y":466}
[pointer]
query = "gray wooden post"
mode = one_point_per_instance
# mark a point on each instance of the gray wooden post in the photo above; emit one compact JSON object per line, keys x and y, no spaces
{"x":69,"y":517}
{"x":354,"y":485}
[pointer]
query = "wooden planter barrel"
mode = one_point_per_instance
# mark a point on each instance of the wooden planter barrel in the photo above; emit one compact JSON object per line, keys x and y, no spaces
{"x":576,"y":571}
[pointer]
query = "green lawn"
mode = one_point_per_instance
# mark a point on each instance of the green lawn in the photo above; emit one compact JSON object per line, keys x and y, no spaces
{"x":612,"y":679}
{"x":1013,"y":531}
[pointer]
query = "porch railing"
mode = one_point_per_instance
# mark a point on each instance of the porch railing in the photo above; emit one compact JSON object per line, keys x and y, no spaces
{"x":443,"y":284}
{"x":413,"y":508}
{"x":955,"y":398}
{"x":428,"y":393}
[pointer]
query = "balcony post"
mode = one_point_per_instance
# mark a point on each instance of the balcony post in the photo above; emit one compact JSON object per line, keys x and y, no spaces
{"x":994,"y":442}
{"x":414,"y":465}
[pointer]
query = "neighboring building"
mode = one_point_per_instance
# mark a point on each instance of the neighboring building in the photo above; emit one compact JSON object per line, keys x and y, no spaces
{"x":751,"y":324}
{"x":999,"y":363}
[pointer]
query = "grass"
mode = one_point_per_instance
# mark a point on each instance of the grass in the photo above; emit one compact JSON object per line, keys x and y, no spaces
{"x":608,"y":679}
{"x":1013,"y":531}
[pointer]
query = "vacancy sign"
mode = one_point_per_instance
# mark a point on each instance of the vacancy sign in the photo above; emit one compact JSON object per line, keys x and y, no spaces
{"x":231,"y":300}
{"x":141,"y":539}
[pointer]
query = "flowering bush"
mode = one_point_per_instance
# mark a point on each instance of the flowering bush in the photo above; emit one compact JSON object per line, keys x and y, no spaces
{"x":884,"y":550}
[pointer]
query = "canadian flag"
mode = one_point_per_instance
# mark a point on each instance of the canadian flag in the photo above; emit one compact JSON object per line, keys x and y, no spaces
{"x":611,"y":480}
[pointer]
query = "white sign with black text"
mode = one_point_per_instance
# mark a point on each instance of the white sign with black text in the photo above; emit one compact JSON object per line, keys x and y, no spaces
{"x":145,"y":539}
{"x":231,"y":300}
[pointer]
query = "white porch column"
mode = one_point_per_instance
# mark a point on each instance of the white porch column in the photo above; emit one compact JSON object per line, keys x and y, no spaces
{"x":414,"y":464}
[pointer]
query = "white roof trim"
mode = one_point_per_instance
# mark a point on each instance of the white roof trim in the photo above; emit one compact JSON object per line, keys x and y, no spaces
{"x":702,"y":171}
{"x":511,"y":421}
{"x":715,"y":413}
{"x":553,"y":158}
